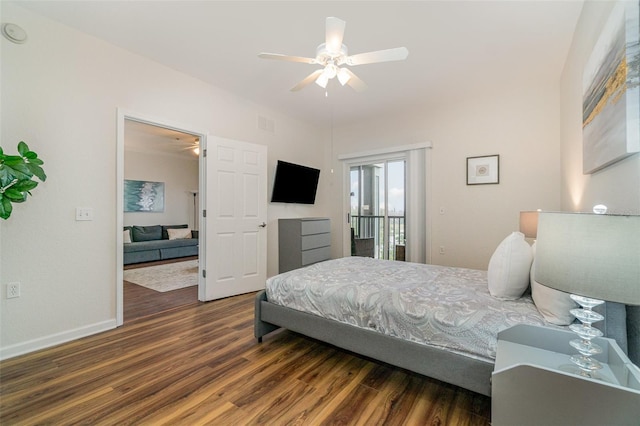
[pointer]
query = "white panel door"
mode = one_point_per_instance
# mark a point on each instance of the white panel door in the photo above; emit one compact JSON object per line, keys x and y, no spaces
{"x":236,"y":206}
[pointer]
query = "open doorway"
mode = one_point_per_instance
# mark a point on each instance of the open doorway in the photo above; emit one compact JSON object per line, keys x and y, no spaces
{"x":160,"y":219}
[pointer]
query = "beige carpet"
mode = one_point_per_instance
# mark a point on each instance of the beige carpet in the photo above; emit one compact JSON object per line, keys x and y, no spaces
{"x":171,"y":276}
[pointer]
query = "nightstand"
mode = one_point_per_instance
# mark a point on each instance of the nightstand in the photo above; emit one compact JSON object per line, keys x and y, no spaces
{"x":531,"y":385}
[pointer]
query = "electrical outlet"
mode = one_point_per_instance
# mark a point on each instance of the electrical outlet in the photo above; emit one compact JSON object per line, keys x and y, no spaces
{"x":441,"y":249}
{"x":13,"y":290}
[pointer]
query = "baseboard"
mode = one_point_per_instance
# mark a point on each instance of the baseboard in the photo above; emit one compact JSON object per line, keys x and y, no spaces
{"x":55,"y":339}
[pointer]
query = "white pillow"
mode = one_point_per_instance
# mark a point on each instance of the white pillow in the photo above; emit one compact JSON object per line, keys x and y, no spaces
{"x":553,"y":305}
{"x":179,"y":234}
{"x":127,"y":236}
{"x":509,"y":268}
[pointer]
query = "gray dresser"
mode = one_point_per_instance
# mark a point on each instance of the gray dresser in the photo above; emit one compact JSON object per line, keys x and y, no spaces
{"x":303,"y":241}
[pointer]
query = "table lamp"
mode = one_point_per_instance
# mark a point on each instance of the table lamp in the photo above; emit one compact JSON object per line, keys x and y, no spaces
{"x":529,"y":223}
{"x":596,"y":258}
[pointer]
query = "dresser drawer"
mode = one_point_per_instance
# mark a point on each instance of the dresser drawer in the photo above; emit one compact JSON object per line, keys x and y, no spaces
{"x":320,"y":226}
{"x":314,"y":241}
{"x":303,"y":241}
{"x":316,"y":255}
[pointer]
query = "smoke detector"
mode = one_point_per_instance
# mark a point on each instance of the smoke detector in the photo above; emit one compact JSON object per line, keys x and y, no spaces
{"x":14,"y":33}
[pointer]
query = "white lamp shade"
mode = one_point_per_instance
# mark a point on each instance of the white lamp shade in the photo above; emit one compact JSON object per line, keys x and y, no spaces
{"x":322,"y":80}
{"x":343,"y":76}
{"x":596,"y":256}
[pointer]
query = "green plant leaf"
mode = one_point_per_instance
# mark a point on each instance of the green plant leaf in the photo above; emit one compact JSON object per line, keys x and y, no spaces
{"x":23,"y":148}
{"x":25,"y":185}
{"x":15,"y":196}
{"x":37,"y":170}
{"x":5,"y":207}
{"x":30,"y":155}
{"x":36,"y":161}
{"x":5,"y":176}
{"x":12,"y":160}
{"x":20,"y":171}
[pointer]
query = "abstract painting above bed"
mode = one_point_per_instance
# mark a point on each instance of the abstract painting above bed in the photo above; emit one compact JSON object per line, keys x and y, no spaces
{"x":438,"y":306}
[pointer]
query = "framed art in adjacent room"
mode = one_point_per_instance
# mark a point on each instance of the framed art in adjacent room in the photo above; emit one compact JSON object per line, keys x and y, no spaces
{"x":483,"y":170}
{"x":143,"y":196}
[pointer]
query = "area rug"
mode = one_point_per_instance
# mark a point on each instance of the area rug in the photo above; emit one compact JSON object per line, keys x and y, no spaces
{"x":167,"y":277}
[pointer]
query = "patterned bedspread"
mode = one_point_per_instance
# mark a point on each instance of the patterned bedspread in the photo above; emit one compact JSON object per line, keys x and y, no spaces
{"x":439,"y":306}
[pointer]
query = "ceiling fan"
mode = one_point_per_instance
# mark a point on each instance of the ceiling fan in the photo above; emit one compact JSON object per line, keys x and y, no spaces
{"x":186,"y":144}
{"x":332,"y":55}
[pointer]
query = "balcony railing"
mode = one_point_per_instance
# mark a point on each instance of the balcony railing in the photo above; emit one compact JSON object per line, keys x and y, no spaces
{"x":374,"y":227}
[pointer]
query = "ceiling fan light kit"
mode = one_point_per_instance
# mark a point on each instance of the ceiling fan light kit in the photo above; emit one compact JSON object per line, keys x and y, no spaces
{"x":343,"y":76}
{"x":332,"y":54}
{"x":322,"y":80}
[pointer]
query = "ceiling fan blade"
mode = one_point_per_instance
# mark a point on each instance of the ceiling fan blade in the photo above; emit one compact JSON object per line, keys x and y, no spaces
{"x":308,"y":80}
{"x":287,"y":58}
{"x":396,"y":54}
{"x":334,"y":34}
{"x":355,"y":82}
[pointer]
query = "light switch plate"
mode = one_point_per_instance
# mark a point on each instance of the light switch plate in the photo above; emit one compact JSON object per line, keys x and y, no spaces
{"x":84,"y":213}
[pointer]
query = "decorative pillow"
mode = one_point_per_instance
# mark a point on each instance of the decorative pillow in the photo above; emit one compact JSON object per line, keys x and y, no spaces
{"x":127,"y":236}
{"x":179,"y":234}
{"x":165,"y":234}
{"x":509,"y":268}
{"x":554,"y":305}
{"x":146,"y":233}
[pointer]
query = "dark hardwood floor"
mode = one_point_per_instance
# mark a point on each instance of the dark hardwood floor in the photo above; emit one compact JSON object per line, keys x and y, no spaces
{"x":140,"y":302}
{"x":200,"y":364}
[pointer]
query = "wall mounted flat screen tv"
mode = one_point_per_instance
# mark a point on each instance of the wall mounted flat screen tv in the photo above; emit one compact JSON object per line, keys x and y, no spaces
{"x":294,"y":183}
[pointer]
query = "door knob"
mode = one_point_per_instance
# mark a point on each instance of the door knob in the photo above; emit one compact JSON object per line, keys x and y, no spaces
{"x":263,"y":225}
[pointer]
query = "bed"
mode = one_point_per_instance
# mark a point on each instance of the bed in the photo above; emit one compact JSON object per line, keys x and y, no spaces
{"x":438,"y":321}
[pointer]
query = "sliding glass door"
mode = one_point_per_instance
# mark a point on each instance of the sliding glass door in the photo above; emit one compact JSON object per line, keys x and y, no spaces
{"x":378,"y":207}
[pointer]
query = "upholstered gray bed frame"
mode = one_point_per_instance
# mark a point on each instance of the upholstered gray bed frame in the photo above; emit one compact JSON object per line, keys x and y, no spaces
{"x":449,"y":367}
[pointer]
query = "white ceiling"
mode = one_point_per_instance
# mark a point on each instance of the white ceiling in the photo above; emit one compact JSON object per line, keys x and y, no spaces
{"x":456,"y":48}
{"x":143,"y":137}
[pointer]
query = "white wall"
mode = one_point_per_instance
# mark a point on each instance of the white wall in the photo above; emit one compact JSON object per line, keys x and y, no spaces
{"x":521,"y":125}
{"x":60,"y":93}
{"x":180,"y":176}
{"x":617,"y":186}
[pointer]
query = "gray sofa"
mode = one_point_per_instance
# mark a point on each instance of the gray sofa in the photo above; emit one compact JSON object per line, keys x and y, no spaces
{"x":150,"y":243}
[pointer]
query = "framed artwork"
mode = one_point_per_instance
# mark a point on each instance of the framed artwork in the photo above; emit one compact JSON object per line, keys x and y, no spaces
{"x":143,"y":196}
{"x":483,"y":170}
{"x":610,"y":91}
